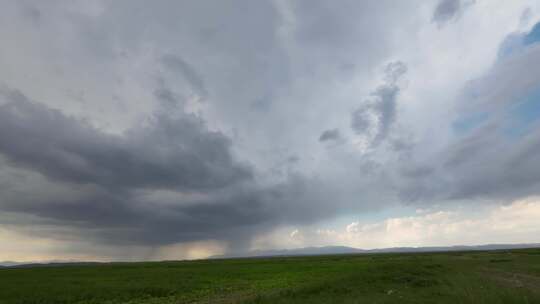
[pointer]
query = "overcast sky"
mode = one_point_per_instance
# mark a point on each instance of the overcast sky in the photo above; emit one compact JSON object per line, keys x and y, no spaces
{"x":135,"y":130}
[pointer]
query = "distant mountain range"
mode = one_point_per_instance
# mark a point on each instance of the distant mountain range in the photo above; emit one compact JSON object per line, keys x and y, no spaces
{"x":8,"y":263}
{"x":307,"y":251}
{"x":44,"y":263}
{"x":350,"y":250}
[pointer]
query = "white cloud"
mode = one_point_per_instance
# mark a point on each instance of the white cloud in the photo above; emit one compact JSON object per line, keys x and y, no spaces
{"x":353,"y":227}
{"x":516,"y":222}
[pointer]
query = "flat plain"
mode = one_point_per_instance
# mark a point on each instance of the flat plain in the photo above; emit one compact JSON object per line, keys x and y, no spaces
{"x":506,"y":276}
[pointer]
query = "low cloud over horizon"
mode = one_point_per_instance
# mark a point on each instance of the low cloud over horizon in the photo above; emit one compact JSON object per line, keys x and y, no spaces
{"x":132,"y":130}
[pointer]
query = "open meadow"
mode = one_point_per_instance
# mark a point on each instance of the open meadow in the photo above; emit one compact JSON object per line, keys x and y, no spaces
{"x":455,"y":277}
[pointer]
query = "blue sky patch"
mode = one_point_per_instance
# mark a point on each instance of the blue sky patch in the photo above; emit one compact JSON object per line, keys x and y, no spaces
{"x":524,"y":113}
{"x":516,"y":42}
{"x":469,"y":122}
{"x":533,"y":36}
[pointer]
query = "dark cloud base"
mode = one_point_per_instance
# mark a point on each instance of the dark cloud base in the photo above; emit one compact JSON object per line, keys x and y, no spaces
{"x":208,"y":194}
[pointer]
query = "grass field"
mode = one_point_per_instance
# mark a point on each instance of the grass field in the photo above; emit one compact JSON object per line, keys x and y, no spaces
{"x":460,"y":277}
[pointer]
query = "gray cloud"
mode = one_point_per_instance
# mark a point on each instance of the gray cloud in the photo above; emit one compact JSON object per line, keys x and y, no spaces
{"x":164,"y":181}
{"x":447,"y":10}
{"x":165,"y":177}
{"x":147,"y":172}
{"x":497,"y":157}
{"x":484,"y":165}
{"x":508,"y":81}
{"x":175,"y":155}
{"x":160,"y":152}
{"x":330,"y":135}
{"x":374,"y":118}
{"x":176,"y":63}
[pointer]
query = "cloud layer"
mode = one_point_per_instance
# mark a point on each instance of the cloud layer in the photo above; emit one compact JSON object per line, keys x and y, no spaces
{"x":196,"y":127}
{"x":512,"y":223}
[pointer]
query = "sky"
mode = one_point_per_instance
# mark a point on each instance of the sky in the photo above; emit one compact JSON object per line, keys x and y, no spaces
{"x":150,"y":130}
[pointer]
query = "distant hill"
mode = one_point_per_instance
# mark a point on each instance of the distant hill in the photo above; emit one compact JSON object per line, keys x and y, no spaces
{"x":298,"y":251}
{"x":8,"y":263}
{"x":44,"y":263}
{"x":307,"y":251}
{"x":350,"y":250}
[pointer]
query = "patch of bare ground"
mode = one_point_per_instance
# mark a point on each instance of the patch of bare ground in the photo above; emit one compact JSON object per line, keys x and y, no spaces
{"x":513,"y":279}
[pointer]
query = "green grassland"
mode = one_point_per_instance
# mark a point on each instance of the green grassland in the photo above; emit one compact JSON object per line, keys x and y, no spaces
{"x":458,"y":277}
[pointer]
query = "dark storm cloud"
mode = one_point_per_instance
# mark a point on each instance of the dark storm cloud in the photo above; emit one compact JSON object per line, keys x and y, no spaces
{"x":162,"y":152}
{"x":126,"y":218}
{"x":374,"y":118}
{"x":131,"y":218}
{"x":168,"y":180}
{"x":447,"y":10}
{"x":206,"y":194}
